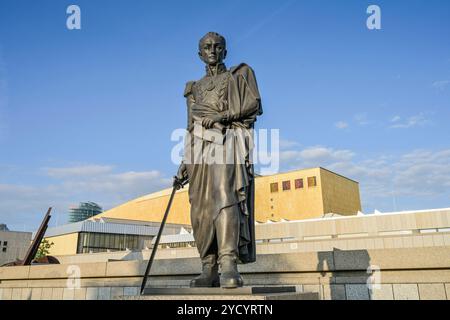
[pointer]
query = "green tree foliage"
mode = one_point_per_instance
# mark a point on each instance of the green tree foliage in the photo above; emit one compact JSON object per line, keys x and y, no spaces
{"x":44,"y":249}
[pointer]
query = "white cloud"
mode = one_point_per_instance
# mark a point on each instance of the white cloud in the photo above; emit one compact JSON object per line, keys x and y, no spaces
{"x":77,"y":171}
{"x":284,"y":144}
{"x":25,"y":204}
{"x":341,"y":125}
{"x":315,"y":156}
{"x":414,"y":121}
{"x":361,"y":119}
{"x":121,"y":186}
{"x":441,"y":85}
{"x":421,"y":175}
{"x":395,"y":118}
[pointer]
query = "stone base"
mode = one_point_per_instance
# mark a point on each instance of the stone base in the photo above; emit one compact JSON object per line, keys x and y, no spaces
{"x":244,"y":293}
{"x":248,"y":290}
{"x":268,"y":296}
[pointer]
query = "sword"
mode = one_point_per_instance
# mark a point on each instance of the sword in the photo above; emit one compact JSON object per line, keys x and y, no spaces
{"x":177,"y":185}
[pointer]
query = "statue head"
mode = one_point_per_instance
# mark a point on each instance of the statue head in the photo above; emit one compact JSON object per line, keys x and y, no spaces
{"x":212,"y":48}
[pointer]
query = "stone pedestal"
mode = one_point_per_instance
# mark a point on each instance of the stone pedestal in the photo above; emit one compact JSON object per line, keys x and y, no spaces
{"x":244,"y":293}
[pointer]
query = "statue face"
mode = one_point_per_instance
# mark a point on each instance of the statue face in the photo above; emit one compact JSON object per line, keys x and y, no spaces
{"x":212,"y":51}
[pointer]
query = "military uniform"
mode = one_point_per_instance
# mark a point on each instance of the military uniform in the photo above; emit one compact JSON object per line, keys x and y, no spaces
{"x":222,"y":195}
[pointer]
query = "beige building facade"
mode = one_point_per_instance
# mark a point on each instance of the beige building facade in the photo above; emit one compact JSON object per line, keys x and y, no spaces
{"x":105,"y":235}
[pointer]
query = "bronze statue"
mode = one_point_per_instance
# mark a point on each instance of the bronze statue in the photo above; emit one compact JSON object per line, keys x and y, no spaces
{"x":221,"y":194}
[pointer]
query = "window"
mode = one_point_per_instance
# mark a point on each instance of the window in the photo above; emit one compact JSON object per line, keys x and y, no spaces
{"x":5,"y":243}
{"x":102,"y":243}
{"x":96,"y":240}
{"x":298,"y":183}
{"x":286,"y":185}
{"x":116,"y":242}
{"x":84,"y":239}
{"x":129,"y":242}
{"x":312,"y":182}
{"x":4,"y":249}
{"x":274,"y":187}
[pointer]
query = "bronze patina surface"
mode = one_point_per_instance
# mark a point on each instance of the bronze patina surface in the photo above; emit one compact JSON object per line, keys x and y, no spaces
{"x":221,"y":194}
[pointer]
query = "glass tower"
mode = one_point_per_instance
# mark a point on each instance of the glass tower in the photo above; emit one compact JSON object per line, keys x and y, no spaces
{"x":84,"y":211}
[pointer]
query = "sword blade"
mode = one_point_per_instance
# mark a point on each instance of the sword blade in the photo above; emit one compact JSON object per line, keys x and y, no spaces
{"x":155,"y":246}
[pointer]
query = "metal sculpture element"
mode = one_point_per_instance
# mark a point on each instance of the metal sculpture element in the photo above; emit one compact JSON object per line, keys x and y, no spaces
{"x":34,"y":247}
{"x":177,"y":185}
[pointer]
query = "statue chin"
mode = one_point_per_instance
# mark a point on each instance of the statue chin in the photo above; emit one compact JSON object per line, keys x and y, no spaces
{"x":212,"y":63}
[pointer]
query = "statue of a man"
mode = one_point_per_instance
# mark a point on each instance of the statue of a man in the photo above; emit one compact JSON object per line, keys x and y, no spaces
{"x":221,"y":194}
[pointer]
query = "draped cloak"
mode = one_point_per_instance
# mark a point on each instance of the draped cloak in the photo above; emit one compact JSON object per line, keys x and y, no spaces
{"x":214,"y":186}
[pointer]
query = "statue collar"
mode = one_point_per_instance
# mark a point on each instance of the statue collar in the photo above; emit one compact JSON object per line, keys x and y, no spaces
{"x":213,"y":71}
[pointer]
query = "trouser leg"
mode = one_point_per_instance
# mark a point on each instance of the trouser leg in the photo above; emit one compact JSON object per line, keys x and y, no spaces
{"x":227,"y":232}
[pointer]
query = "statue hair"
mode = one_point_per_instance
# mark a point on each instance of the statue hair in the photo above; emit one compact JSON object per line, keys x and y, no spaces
{"x":212,"y":35}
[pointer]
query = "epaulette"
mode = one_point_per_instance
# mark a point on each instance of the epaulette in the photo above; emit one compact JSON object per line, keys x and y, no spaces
{"x":239,"y":66}
{"x":188,"y":89}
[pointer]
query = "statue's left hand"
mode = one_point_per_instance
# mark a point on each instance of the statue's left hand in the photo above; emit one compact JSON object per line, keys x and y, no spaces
{"x":209,"y":121}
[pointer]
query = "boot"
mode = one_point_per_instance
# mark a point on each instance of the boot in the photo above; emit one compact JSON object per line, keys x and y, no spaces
{"x":210,"y":274}
{"x":229,"y":275}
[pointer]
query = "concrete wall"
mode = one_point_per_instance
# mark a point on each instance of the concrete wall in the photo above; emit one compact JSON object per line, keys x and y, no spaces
{"x":377,"y":225}
{"x":427,"y":228}
{"x":395,"y":274}
{"x":17,"y":245}
{"x":364,"y":243}
{"x":340,"y":195}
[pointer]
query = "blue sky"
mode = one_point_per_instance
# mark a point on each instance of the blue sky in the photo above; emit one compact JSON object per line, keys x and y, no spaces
{"x":86,"y":115}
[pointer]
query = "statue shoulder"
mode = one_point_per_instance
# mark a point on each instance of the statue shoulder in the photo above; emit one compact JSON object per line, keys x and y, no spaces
{"x":188,"y":89}
{"x":242,"y":68}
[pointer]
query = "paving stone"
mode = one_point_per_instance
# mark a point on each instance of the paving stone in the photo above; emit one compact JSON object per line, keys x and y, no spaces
{"x":334,"y":292}
{"x":68,"y":294}
{"x":36,"y":293}
{"x":91,"y":293}
{"x":130,"y":291}
{"x":432,"y":291}
{"x":116,"y":292}
{"x":406,"y":292}
{"x":313,"y":288}
{"x":16,"y":294}
{"x":57,"y":293}
{"x":46,"y":293}
{"x":104,"y":293}
{"x":7,"y":293}
{"x":382,"y":292}
{"x":357,"y":292}
{"x":80,"y":294}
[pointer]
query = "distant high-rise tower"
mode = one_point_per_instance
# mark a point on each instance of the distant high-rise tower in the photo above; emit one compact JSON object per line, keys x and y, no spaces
{"x":84,"y":211}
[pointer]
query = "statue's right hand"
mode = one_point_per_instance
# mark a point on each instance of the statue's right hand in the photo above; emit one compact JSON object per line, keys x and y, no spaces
{"x":177,"y":183}
{"x":181,"y":178}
